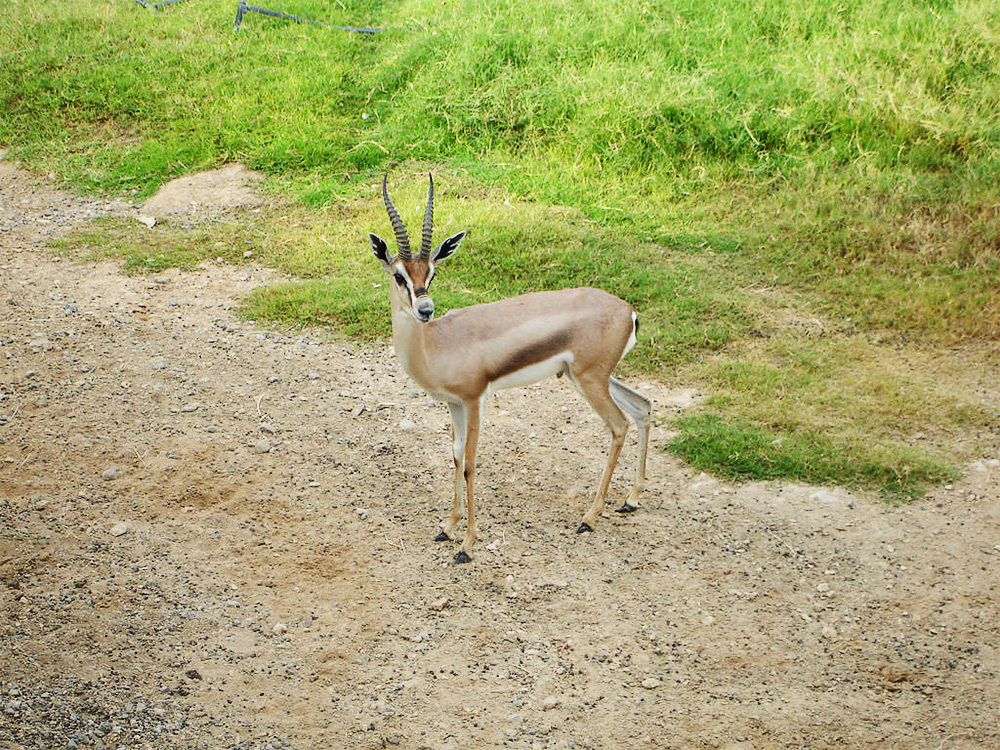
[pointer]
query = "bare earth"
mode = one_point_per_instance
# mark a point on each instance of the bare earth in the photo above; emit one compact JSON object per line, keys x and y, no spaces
{"x":214,"y":535}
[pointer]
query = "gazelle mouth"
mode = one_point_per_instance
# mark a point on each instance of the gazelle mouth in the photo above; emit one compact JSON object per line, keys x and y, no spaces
{"x":424,"y":309}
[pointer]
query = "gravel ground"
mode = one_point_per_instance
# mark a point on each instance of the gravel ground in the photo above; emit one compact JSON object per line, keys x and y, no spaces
{"x":214,"y":535}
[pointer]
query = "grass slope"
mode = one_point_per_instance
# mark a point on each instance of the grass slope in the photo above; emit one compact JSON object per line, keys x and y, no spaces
{"x":730,"y":168}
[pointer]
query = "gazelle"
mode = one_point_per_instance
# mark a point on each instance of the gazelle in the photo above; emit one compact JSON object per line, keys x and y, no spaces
{"x":464,"y":355}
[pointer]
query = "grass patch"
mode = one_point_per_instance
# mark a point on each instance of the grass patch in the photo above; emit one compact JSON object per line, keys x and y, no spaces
{"x":821,"y":406}
{"x":170,"y":244}
{"x":742,"y":450}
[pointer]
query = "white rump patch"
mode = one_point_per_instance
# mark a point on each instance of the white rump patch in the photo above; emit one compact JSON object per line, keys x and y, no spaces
{"x":631,"y":339}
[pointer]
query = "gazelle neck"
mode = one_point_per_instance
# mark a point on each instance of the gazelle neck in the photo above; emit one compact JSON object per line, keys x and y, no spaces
{"x":409,"y":340}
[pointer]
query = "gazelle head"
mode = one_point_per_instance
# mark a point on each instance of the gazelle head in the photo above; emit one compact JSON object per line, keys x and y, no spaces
{"x":411,"y":275}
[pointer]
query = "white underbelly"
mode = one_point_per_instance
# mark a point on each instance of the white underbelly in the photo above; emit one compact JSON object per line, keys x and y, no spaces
{"x":532,"y":373}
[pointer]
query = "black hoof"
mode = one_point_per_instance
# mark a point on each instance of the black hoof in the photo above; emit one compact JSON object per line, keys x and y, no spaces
{"x":584,"y":527}
{"x":626,"y":508}
{"x":442,"y":537}
{"x":461,"y":558}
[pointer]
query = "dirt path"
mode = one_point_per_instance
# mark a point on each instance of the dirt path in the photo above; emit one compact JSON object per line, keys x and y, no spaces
{"x":213,"y":535}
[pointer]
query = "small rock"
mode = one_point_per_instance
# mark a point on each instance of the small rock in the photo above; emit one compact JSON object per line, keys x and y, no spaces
{"x":440,"y":604}
{"x":828,"y":631}
{"x":270,"y":429}
{"x":651,"y":683}
{"x":407,"y":425}
{"x":193,"y":674}
{"x":118,"y":529}
{"x":280,"y":628}
{"x":551,"y":702}
{"x":707,"y":620}
{"x":110,"y":475}
{"x":148,"y":221}
{"x":263,"y":446}
{"x":190,"y":408}
{"x":824,"y":496}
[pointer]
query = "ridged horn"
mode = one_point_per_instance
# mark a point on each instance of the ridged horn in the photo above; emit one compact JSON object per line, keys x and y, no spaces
{"x":425,"y":240}
{"x":402,"y":238}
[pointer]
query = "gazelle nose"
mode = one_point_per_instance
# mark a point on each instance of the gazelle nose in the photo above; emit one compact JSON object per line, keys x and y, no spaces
{"x":425,"y":308}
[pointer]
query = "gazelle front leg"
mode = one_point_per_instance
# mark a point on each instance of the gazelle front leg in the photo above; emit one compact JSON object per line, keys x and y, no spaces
{"x":471,"y":410}
{"x":465,"y":429}
{"x":458,"y":448}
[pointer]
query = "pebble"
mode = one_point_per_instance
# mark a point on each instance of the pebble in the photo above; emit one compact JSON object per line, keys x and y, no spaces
{"x":263,"y":446}
{"x":551,"y":702}
{"x":119,"y":529}
{"x":110,"y":475}
{"x":651,"y":683}
{"x":407,"y":425}
{"x":824,"y":496}
{"x":280,"y":628}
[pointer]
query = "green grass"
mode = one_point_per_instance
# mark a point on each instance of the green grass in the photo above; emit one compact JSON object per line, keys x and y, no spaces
{"x":173,"y":244}
{"x":832,"y":407}
{"x":743,"y":450}
{"x":727,"y":167}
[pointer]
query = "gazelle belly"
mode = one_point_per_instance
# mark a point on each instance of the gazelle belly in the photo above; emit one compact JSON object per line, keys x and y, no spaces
{"x":533,"y":373}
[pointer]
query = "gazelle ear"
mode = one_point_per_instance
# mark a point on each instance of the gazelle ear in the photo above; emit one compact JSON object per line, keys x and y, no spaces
{"x":448,"y":247}
{"x":380,"y":249}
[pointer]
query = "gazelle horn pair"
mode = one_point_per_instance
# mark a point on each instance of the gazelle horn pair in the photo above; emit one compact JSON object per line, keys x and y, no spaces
{"x":402,"y":238}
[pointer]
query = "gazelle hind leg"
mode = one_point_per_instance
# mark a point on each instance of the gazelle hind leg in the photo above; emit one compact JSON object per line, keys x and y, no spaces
{"x":596,"y":391}
{"x":640,"y":409}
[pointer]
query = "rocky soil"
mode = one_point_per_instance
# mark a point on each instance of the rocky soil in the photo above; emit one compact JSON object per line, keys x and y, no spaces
{"x":215,"y":535}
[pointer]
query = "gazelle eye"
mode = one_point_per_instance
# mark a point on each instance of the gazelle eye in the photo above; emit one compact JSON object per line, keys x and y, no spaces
{"x":400,"y":279}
